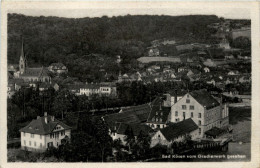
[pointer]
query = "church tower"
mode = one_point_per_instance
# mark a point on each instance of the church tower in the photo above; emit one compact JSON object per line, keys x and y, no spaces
{"x":22,"y":62}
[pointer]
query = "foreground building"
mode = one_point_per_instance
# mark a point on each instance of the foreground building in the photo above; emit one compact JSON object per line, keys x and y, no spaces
{"x":44,"y":132}
{"x":176,"y":132}
{"x":202,"y":108}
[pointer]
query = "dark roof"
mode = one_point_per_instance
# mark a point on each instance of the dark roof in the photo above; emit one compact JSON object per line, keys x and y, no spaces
{"x":177,"y":129}
{"x":214,"y":131}
{"x":137,"y":128}
{"x":73,"y":87}
{"x":158,"y":114}
{"x":204,"y":98}
{"x":90,"y":86}
{"x":135,"y":114}
{"x":44,"y":85}
{"x":39,"y":126}
{"x":35,"y":72}
{"x":179,"y":92}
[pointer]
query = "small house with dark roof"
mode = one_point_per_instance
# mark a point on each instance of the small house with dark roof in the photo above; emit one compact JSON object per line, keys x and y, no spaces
{"x":175,"y":133}
{"x":44,"y":132}
{"x":120,"y":129}
{"x":202,"y":108}
{"x":158,"y":115}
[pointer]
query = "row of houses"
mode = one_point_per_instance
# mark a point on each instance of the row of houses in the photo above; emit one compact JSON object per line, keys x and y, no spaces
{"x":102,"y":89}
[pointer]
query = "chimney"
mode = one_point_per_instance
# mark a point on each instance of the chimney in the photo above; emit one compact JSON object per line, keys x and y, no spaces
{"x":45,"y":117}
{"x":52,"y":118}
{"x":175,"y":96}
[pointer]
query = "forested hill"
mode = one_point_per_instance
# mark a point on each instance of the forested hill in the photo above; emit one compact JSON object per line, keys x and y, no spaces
{"x":51,"y":39}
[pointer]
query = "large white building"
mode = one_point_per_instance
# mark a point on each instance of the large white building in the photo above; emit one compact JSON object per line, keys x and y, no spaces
{"x":202,"y":108}
{"x":44,"y":132}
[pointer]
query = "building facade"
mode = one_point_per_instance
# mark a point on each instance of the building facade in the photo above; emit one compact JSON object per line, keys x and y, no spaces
{"x":202,"y":108}
{"x":43,"y":133}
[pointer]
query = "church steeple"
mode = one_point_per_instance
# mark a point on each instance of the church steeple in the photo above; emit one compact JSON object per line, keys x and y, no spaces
{"x":22,"y":62}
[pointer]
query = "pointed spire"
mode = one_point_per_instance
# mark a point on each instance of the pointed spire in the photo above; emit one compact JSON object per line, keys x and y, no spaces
{"x":22,"y":49}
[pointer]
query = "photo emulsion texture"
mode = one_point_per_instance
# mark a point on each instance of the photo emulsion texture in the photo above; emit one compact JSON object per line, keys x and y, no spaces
{"x":128,"y":88}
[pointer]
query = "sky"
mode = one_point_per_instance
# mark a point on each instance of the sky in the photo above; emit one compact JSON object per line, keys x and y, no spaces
{"x":230,"y":13}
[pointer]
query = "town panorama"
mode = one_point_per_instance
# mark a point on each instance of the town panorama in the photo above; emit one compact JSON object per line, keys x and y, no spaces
{"x":134,"y":88}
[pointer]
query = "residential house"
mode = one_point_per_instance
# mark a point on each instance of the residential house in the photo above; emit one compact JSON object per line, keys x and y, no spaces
{"x":43,"y":133}
{"x":200,"y":106}
{"x":206,"y":69}
{"x":233,"y":72}
{"x":91,"y":89}
{"x":183,"y":68}
{"x":158,"y":116}
{"x":131,"y":115}
{"x":175,"y":133}
{"x":193,"y":72}
{"x":153,"y":52}
{"x":108,"y":89}
{"x":58,"y":68}
{"x":120,"y":130}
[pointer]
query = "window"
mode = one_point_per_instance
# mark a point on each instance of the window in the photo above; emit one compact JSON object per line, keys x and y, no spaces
{"x":32,"y":135}
{"x":176,"y":113}
{"x":24,"y":142}
{"x":184,"y":115}
{"x":199,"y":115}
{"x":29,"y":143}
{"x":199,"y":130}
{"x":176,"y":119}
{"x":199,"y":122}
{"x":158,"y":126}
{"x":23,"y":133}
{"x":187,"y":100}
{"x":191,"y":107}
{"x":34,"y":143}
{"x":184,"y":107}
{"x":191,"y":114}
{"x":40,"y":136}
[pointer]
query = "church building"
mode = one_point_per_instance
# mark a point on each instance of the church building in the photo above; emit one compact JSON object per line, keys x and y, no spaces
{"x":39,"y":74}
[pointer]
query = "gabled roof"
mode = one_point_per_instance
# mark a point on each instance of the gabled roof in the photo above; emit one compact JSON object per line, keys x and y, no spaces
{"x":137,"y":128}
{"x":134,"y":114}
{"x":204,"y":98}
{"x":35,"y":72}
{"x":158,"y":114}
{"x":177,"y":129}
{"x":39,"y":126}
